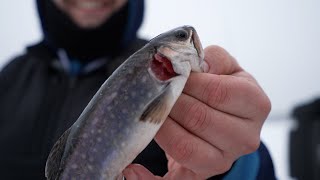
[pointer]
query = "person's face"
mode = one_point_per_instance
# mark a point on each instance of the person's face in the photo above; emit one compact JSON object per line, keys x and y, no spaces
{"x":89,"y":13}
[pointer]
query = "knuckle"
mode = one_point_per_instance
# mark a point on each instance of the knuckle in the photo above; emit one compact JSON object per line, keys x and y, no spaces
{"x":184,"y":150}
{"x":265,"y":105}
{"x":197,"y":121}
{"x":217,"y":93}
{"x":224,"y":167}
{"x":251,"y":145}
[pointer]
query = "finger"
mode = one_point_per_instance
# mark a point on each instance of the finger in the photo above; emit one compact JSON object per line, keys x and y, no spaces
{"x":229,"y":94}
{"x":190,"y":151}
{"x":136,"y":171}
{"x":182,"y":173}
{"x":220,"y":61}
{"x":229,"y":133}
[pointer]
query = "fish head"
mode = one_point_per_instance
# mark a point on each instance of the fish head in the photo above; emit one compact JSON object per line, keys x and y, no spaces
{"x":177,"y":52}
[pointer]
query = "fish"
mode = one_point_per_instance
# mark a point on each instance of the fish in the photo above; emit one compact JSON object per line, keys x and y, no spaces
{"x":126,"y":112}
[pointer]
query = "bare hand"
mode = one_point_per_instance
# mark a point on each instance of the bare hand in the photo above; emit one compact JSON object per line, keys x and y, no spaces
{"x":217,"y":119}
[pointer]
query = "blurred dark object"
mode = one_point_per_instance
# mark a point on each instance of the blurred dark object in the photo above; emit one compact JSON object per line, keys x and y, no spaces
{"x":305,"y":142}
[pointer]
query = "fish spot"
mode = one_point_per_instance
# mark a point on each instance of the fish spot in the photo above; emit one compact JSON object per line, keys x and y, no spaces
{"x":91,"y":159}
{"x":94,"y":150}
{"x":99,"y":139}
{"x":126,"y":97}
{"x":95,"y":120}
{"x":74,"y":166}
{"x":144,"y":79}
{"x":130,"y":71}
{"x":112,"y":116}
{"x":109,"y":108}
{"x":83,"y":156}
{"x":85,"y":135}
{"x":114,"y":94}
{"x":125,"y":111}
{"x":99,"y":131}
{"x":90,"y":167}
{"x":123,"y":144}
{"x":149,"y":94}
{"x":92,"y":131}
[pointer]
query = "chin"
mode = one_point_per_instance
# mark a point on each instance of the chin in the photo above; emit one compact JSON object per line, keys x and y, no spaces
{"x":89,"y":23}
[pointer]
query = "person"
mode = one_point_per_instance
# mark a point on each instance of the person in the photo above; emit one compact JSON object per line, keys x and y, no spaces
{"x":213,"y":131}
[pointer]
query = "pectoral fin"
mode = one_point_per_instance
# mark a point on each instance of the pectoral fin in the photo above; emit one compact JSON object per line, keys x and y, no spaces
{"x":158,"y":109}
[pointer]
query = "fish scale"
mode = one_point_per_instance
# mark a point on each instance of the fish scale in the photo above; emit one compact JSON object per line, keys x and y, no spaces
{"x":128,"y":109}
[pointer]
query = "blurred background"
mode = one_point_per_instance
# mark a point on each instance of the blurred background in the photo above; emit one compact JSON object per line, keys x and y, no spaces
{"x":278,"y":41}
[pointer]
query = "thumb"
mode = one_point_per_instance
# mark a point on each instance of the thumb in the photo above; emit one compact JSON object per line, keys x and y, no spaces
{"x":138,"y":172}
{"x":182,"y":173}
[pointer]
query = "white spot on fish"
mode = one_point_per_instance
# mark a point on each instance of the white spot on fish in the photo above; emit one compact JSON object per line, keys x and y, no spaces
{"x":114,"y":94}
{"x":99,"y":139}
{"x":123,"y":144}
{"x":94,"y":150}
{"x":85,"y":135}
{"x":95,"y":120}
{"x":144,"y":79}
{"x":109,"y":108}
{"x":90,"y":167}
{"x":130,"y":71}
{"x":126,"y":97}
{"x":91,"y":159}
{"x":74,"y":166}
{"x":149,"y":94}
{"x":124,"y":110}
{"x":83,"y":156}
{"x":92,"y":131}
{"x":99,"y":131}
{"x":112,"y":116}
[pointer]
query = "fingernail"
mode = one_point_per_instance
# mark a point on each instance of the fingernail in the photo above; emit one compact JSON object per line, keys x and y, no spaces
{"x":130,"y":174}
{"x":205,"y":66}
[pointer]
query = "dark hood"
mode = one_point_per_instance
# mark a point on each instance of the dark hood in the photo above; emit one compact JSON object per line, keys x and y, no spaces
{"x":87,"y":44}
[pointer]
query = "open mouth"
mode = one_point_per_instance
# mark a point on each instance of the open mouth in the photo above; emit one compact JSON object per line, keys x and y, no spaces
{"x":162,"y":68}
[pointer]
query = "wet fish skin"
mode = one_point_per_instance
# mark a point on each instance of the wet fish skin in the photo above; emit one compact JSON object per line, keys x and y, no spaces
{"x":127,"y":111}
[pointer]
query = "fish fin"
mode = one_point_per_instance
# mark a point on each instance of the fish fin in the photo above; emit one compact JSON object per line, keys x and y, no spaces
{"x":54,"y":159}
{"x":120,"y":177}
{"x":157,"y":109}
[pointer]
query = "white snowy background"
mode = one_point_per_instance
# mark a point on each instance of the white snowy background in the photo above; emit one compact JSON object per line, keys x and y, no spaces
{"x":278,"y":41}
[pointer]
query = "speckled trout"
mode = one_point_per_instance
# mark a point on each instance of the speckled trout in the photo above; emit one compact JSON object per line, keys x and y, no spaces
{"x":127,"y":111}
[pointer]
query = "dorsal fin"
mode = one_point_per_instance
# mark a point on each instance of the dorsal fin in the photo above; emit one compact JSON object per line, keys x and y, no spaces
{"x":52,"y":169}
{"x":157,"y":109}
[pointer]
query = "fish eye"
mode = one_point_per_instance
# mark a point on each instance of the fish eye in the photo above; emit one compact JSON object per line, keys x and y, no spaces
{"x":181,"y":34}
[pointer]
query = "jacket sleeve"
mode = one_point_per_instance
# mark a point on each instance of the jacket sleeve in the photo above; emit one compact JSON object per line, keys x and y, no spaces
{"x":255,"y":166}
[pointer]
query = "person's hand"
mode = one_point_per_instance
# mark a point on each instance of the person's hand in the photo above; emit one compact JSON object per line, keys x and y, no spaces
{"x":217,"y":119}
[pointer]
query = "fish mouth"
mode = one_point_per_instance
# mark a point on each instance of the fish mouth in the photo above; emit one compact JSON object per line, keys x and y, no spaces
{"x":162,"y":68}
